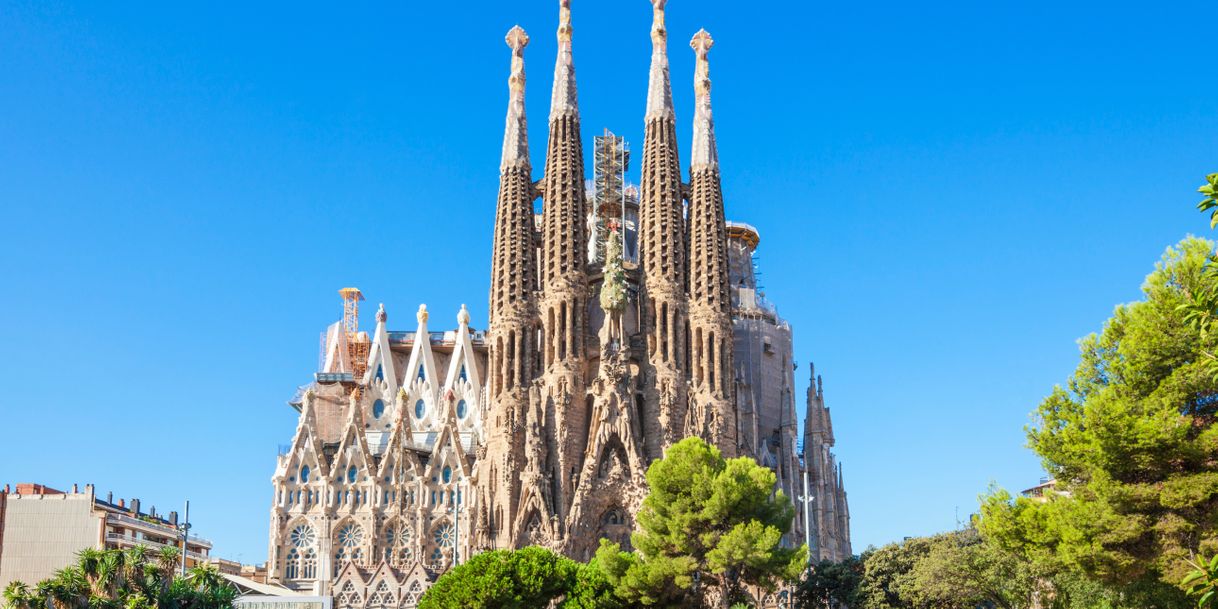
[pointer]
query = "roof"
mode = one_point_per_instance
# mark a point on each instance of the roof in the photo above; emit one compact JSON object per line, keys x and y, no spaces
{"x":246,"y":585}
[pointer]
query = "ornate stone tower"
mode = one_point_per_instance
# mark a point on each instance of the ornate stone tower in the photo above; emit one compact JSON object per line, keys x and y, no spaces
{"x":662,"y":251}
{"x":564,"y":295}
{"x":712,"y":412}
{"x":511,"y":360}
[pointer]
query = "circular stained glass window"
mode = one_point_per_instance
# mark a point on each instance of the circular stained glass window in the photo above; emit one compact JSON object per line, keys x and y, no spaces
{"x":378,"y":409}
{"x":420,"y":409}
{"x":461,"y":409}
{"x":398,"y":536}
{"x":303,"y":536}
{"x":445,"y":536}
{"x":350,"y":536}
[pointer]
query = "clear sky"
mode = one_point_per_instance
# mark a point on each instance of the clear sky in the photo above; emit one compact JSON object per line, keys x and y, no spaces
{"x":949,"y":194}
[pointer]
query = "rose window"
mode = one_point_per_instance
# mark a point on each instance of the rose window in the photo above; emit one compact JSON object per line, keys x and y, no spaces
{"x":445,"y":536}
{"x":399,"y":536}
{"x":350,"y":536}
{"x":303,"y":536}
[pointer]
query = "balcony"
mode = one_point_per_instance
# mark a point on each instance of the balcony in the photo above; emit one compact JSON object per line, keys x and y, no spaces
{"x":124,"y":541}
{"x":163,"y":529}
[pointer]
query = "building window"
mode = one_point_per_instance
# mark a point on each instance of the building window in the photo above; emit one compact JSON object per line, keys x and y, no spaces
{"x":350,"y":536}
{"x":461,"y":408}
{"x":303,"y":536}
{"x":421,"y":376}
{"x":420,"y":408}
{"x":291,"y":570}
{"x":352,"y":472}
{"x":462,"y":375}
{"x":447,"y":474}
{"x":304,"y":473}
{"x":380,"y":373}
{"x":309,"y":568}
{"x":445,"y":535}
{"x":378,"y":409}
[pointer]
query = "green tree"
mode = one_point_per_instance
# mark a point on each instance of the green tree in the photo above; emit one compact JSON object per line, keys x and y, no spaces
{"x":1132,"y":442}
{"x":707,"y":526}
{"x":508,"y":579}
{"x":830,"y":584}
{"x":124,"y":579}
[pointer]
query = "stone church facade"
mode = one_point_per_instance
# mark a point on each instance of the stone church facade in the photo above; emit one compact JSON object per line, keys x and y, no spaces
{"x":415,"y":450}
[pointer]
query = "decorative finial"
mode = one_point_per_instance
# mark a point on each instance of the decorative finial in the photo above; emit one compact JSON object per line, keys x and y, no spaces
{"x":515,"y":134}
{"x":381,"y":316}
{"x":704,"y":154}
{"x":463,"y":316}
{"x":701,"y":44}
{"x":659,"y":89}
{"x":658,"y":33}
{"x":564,"y":20}
{"x":422,"y":314}
{"x":564,"y":99}
{"x":517,"y":39}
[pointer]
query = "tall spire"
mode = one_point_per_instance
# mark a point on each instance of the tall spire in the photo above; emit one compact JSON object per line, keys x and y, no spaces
{"x":564,"y":297}
{"x":704,"y":153}
{"x":564,"y":99}
{"x":513,"y":309}
{"x":516,"y":132}
{"x":662,"y":255}
{"x":710,"y":319}
{"x":659,"y":88}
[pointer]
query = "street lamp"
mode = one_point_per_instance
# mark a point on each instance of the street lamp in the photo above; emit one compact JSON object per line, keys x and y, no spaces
{"x":184,"y":529}
{"x":809,"y":519}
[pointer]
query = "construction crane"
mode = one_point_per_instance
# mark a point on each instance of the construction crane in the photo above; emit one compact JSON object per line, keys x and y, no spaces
{"x":357,"y":342}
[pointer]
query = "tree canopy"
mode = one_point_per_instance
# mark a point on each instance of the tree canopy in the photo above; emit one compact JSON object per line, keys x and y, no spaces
{"x":708,"y":527}
{"x":136,"y":578}
{"x":1132,"y":443}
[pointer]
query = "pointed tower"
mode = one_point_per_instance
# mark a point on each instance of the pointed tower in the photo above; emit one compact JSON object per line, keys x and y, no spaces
{"x":662,"y":255}
{"x":710,"y":320}
{"x":564,"y":299}
{"x":510,"y":365}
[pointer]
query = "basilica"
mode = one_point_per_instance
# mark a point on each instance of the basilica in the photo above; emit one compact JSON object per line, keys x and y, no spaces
{"x":622,"y":319}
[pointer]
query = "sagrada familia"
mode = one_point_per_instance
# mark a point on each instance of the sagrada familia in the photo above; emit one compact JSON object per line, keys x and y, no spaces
{"x":618,"y":325}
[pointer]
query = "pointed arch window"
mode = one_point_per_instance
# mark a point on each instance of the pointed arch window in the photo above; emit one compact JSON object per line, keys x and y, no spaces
{"x":291,"y":568}
{"x":309,"y":565}
{"x":380,"y":372}
{"x":421,"y":375}
{"x":461,"y":375}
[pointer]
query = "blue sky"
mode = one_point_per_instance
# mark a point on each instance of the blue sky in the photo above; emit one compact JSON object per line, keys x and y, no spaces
{"x":949,"y":195}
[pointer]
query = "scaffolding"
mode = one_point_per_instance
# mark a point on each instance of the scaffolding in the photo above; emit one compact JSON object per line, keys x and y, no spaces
{"x":357,"y":342}
{"x":614,"y":202}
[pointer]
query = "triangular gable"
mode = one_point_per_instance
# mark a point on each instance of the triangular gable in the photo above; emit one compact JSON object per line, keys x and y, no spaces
{"x":337,"y":357}
{"x":421,"y":356}
{"x":463,"y":356}
{"x":380,"y":359}
{"x":352,"y":446}
{"x":303,"y":450}
{"x":449,"y":439}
